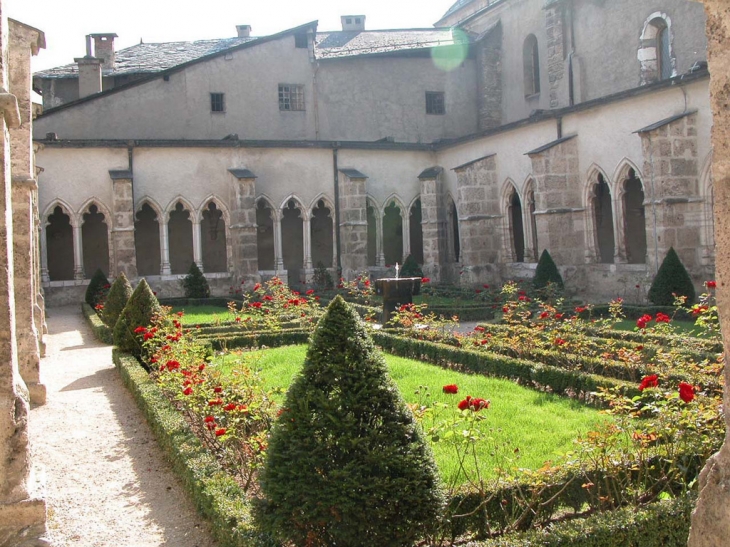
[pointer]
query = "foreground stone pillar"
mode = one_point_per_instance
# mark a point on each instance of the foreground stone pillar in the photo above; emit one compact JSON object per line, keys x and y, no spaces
{"x":243,"y":226}
{"x":479,"y":218}
{"x":559,"y":213}
{"x":711,"y":517}
{"x":124,"y":254}
{"x":353,"y":223}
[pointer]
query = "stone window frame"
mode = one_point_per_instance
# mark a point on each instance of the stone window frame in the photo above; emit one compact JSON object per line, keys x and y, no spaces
{"x":593,"y":251}
{"x":328,"y":204}
{"x":436,"y":103}
{"x":226,"y":217}
{"x":217,"y":102}
{"x":75,"y":227}
{"x":531,"y":66}
{"x":618,"y":186}
{"x":509,"y":188}
{"x":106,"y":213}
{"x":291,"y":97}
{"x":649,"y":60}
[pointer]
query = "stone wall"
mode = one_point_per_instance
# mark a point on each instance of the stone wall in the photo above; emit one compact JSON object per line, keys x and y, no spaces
{"x":353,"y":224}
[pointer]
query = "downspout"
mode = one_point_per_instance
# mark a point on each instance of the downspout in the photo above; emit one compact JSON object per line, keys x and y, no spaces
{"x":337,"y":212}
{"x":571,"y":84}
{"x":130,"y":161}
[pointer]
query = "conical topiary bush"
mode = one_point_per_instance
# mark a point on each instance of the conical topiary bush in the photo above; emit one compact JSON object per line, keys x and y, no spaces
{"x":672,"y":278}
{"x":138,"y":312}
{"x":347,"y":464}
{"x":195,"y":284}
{"x":116,"y":300}
{"x":97,"y":289}
{"x":547,"y":272}
{"x":411,"y":268}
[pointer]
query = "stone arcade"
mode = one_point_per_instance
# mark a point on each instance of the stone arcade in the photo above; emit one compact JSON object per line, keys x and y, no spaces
{"x":511,"y":127}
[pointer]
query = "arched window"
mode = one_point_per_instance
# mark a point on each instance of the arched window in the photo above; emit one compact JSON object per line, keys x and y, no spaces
{"x":530,"y":199}
{"x":147,"y":241}
{"x":292,"y":239}
{"x":531,"y":64}
{"x":517,"y":231}
{"x":603,"y":220}
{"x":372,"y":236}
{"x":60,"y":245}
{"x":180,"y":234}
{"x":95,"y":242}
{"x":321,"y":235}
{"x":655,"y":53}
{"x":452,"y":226}
{"x":416,"y":231}
{"x":265,"y":235}
{"x":213,"y":239}
{"x":393,"y":234}
{"x":634,"y":219}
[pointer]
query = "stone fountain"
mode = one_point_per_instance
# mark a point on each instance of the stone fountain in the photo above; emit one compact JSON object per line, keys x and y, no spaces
{"x":396,"y":291}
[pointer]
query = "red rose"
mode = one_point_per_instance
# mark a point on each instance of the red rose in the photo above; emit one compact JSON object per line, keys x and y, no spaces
{"x":544,"y":315}
{"x":711,"y":284}
{"x":505,"y":309}
{"x":558,"y":341}
{"x":180,"y":313}
{"x":215,"y":402}
{"x":479,"y":328}
{"x":218,"y":389}
{"x":473,"y":403}
{"x":662,"y":318}
{"x":238,"y":319}
{"x":463,"y":405}
{"x":643,"y":320}
{"x":229,"y":407}
{"x":172,"y":365}
{"x":219,"y":432}
{"x":649,"y":381}
{"x":485,"y":286}
{"x":209,"y":419}
{"x":148,"y":335}
{"x":580,"y":309}
{"x":559,"y":316}
{"x":425,"y":280}
{"x":257,"y":286}
{"x":187,"y":391}
{"x":268,"y":298}
{"x":478,"y":291}
{"x":201,"y":367}
{"x":451,"y":388}
{"x":140,"y":330}
{"x":686,"y":392}
{"x":310,"y":292}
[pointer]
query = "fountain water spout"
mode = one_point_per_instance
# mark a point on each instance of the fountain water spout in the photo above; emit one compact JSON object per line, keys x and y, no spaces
{"x":397,"y":269}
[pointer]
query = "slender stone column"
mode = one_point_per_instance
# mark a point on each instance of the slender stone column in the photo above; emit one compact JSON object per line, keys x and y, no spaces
{"x":197,"y":246}
{"x":278,"y":252}
{"x":307,"y":229}
{"x":353,"y":223}
{"x":78,"y":251}
{"x":44,"y":255}
{"x":243,"y":226}
{"x":165,"y":246}
{"x":124,"y":254}
{"x":406,"y":216}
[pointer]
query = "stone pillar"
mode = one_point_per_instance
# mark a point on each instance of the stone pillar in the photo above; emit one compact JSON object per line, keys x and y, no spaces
{"x":22,"y":511}
{"x":44,"y":254}
{"x":556,"y":65}
{"x":559,"y":213}
{"x":307,"y":233}
{"x":124,"y":254}
{"x":78,"y":250}
{"x":671,"y":183}
{"x":24,"y":42}
{"x":379,"y":252}
{"x":278,"y":250}
{"x":197,"y":244}
{"x":243,"y":226}
{"x":711,"y":517}
{"x":479,"y":218}
{"x":489,"y":78}
{"x":353,"y":223}
{"x":164,"y":246}
{"x":433,"y":222}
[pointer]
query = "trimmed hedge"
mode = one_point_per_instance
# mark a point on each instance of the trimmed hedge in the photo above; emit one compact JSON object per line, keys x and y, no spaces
{"x":255,"y":339}
{"x":101,"y":331}
{"x":525,"y":372}
{"x":216,"y":494}
{"x":660,"y":524}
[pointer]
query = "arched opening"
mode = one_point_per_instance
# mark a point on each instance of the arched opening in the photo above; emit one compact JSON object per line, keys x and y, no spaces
{"x":634,"y":220}
{"x":533,"y":222}
{"x":321,"y":235}
{"x":416,"y":231}
{"x":95,"y":242}
{"x":292,"y":236}
{"x":663,"y":53}
{"x":655,"y":53}
{"x":60,"y":246}
{"x":265,"y":236}
{"x":517,"y":231}
{"x":603,"y":221}
{"x":392,"y":234}
{"x":372,"y":236}
{"x":180,"y":236}
{"x":213,"y":239}
{"x":531,"y":65}
{"x":147,"y":241}
{"x":452,"y":226}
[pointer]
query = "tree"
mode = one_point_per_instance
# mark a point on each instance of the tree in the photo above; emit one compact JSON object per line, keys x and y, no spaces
{"x":195,"y":284}
{"x":116,"y":300}
{"x":347,"y":464}
{"x":97,"y":289}
{"x":671,"y":279}
{"x":547,"y":272}
{"x":139,"y":311}
{"x":411,"y":268}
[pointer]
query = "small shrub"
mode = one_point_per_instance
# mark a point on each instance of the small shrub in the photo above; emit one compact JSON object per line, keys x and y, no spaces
{"x":97,"y":290}
{"x":547,"y":272}
{"x":322,"y":278}
{"x":671,"y":279}
{"x":195,"y":284}
{"x":139,"y":311}
{"x":411,"y":268}
{"x":347,"y":464}
{"x":116,"y":300}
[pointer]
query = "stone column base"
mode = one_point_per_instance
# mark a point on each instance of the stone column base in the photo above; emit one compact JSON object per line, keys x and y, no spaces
{"x":23,"y":523}
{"x":37,"y":394}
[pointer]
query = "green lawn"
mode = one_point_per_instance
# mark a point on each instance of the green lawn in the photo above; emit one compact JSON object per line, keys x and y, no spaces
{"x":196,"y":315}
{"x":523,"y":429}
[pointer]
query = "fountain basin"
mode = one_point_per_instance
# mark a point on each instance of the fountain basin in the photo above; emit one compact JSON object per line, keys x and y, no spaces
{"x":396,"y":292}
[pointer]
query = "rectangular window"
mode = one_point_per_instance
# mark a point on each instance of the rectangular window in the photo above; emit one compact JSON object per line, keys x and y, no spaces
{"x":435,"y":102}
{"x":291,"y":97}
{"x":217,"y":103}
{"x":300,"y":40}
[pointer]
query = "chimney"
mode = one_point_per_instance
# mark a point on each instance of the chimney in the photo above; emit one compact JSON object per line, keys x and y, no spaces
{"x":244,"y":31}
{"x":89,"y":72}
{"x":104,"y":49}
{"x":353,"y":22}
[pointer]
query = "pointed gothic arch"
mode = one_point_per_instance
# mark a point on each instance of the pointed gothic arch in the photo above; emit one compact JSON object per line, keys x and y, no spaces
{"x":322,"y":237}
{"x":512,"y":223}
{"x":530,"y":222}
{"x":599,"y":217}
{"x":95,"y":227}
{"x":392,"y":234}
{"x":293,"y":215}
{"x":265,"y":234}
{"x":213,"y":219}
{"x":453,"y":241}
{"x":59,"y":224}
{"x":180,"y":215}
{"x":374,"y":219}
{"x":415,"y":229}
{"x":147,"y":237}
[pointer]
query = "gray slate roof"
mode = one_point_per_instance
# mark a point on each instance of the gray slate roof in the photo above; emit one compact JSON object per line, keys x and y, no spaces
{"x":151,"y":58}
{"x":457,"y":5}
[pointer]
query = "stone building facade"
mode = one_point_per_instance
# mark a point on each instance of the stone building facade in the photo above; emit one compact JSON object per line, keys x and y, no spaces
{"x":22,"y":507}
{"x":511,"y":127}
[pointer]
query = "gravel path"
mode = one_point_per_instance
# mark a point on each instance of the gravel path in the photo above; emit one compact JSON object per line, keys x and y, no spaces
{"x":107,"y":482}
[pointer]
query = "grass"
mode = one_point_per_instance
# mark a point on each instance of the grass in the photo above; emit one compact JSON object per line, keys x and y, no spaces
{"x":197,"y":315}
{"x":523,"y":428}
